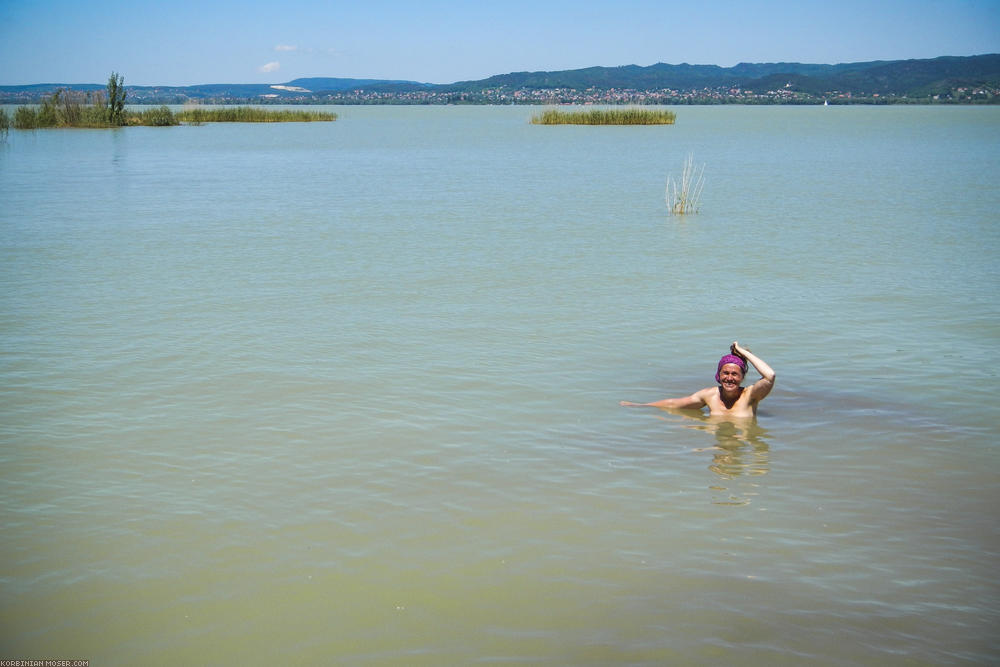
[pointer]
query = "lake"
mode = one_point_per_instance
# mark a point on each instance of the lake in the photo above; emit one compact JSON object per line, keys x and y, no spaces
{"x":349,"y":392}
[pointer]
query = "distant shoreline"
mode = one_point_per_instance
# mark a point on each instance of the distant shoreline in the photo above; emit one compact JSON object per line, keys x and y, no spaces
{"x":552,"y":101}
{"x":942,"y":80}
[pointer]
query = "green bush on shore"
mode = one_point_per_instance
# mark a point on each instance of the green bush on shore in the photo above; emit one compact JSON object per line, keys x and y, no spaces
{"x":116,"y":100}
{"x":629,"y":116}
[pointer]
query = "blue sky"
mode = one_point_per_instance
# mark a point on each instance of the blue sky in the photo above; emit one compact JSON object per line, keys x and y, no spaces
{"x":184,"y":42}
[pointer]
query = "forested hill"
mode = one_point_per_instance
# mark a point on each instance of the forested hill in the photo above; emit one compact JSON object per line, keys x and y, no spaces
{"x":921,"y":79}
{"x":954,"y":79}
{"x":898,"y":76}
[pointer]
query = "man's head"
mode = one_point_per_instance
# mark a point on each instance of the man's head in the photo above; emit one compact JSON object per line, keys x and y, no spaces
{"x":731,"y":364}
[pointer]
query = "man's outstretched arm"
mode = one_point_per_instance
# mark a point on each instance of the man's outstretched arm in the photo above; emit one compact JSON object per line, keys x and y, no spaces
{"x":692,"y":402}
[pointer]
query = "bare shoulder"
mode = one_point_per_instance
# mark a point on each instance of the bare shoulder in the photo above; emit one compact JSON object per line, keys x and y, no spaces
{"x":698,"y":399}
{"x":706,"y":395}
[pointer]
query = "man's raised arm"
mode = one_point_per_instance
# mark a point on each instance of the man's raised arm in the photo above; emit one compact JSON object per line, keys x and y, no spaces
{"x":763,"y":386}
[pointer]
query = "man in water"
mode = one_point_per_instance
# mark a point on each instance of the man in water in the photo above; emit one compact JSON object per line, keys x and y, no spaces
{"x":729,"y":399}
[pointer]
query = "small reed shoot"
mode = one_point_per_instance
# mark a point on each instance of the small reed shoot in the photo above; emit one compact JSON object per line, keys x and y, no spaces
{"x":628,"y":116}
{"x":686,"y":197}
{"x":197,"y":115}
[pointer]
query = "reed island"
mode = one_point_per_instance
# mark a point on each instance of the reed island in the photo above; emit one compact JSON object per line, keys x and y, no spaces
{"x":106,"y":109}
{"x":627,"y":116}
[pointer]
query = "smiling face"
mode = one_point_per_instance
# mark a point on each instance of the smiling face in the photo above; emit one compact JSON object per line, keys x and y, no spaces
{"x":730,"y":377}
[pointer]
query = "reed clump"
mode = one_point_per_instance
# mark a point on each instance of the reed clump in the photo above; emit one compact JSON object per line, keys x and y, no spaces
{"x":161,"y":116}
{"x":49,"y":115}
{"x":197,"y":115}
{"x":628,"y":116}
{"x":685,"y":197}
{"x":69,"y":109}
{"x":64,"y":108}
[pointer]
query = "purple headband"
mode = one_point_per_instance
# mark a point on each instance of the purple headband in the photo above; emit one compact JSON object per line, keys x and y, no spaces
{"x":731,"y":359}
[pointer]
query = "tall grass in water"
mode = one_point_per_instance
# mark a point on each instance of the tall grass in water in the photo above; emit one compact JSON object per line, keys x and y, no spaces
{"x":685,"y":197}
{"x":160,"y":116}
{"x":5,"y":122}
{"x":63,"y":108}
{"x":629,"y":116}
{"x":197,"y":115}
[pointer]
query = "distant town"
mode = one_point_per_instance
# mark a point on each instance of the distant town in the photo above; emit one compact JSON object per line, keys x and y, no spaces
{"x":611,"y":96}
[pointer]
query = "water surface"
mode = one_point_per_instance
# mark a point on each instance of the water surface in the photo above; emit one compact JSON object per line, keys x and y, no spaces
{"x":348,"y":392}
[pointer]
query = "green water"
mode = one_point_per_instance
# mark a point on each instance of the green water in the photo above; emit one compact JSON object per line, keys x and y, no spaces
{"x":348,"y":392}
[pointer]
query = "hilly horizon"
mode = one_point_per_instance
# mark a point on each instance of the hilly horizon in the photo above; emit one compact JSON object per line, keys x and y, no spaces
{"x":916,"y":79}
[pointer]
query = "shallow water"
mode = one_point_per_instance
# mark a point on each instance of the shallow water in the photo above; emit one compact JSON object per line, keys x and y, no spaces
{"x":348,"y":392}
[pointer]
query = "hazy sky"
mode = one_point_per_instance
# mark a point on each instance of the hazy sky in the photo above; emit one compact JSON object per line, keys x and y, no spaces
{"x":183,"y":42}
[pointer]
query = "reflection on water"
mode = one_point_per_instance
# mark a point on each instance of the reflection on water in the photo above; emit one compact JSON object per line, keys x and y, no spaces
{"x":740,"y":449}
